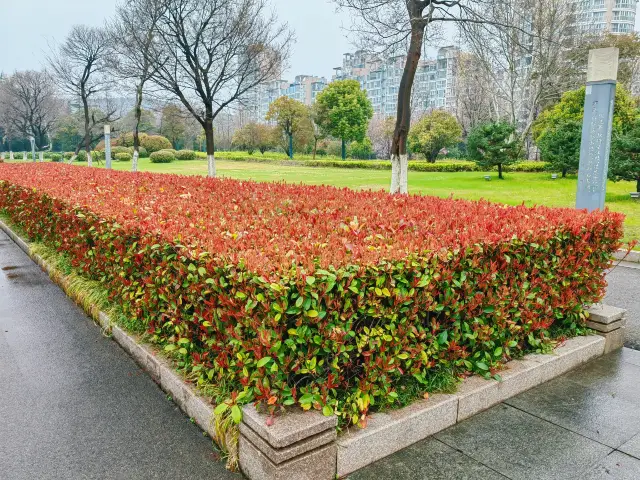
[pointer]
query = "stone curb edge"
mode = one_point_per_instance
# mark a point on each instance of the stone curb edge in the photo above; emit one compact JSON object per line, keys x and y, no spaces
{"x":632,"y":256}
{"x":183,"y":394}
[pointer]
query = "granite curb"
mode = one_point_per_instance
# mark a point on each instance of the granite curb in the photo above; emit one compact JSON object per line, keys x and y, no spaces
{"x":632,"y":256}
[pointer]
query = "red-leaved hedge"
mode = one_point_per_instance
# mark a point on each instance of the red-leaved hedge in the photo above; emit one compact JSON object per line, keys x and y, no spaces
{"x":324,"y":297}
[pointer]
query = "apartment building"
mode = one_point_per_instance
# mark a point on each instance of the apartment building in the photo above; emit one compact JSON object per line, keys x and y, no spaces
{"x":304,"y":89}
{"x":606,"y":16}
{"x":434,"y":86}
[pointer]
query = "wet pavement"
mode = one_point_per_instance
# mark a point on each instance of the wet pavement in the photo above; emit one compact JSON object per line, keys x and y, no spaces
{"x":72,"y":403}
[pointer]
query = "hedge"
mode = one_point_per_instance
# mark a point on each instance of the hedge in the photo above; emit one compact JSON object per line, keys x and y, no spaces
{"x":333,"y":299}
{"x":162,"y":156}
{"x":416,"y":166}
{"x":123,"y":157}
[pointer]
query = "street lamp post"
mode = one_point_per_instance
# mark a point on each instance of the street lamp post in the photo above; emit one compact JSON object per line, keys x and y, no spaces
{"x":33,"y":148}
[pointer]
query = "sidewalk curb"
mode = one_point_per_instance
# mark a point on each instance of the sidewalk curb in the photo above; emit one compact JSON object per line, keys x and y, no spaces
{"x":183,"y":394}
{"x":631,"y":256}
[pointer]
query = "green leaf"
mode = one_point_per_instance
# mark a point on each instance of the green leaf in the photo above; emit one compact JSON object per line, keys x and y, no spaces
{"x":497,"y":352}
{"x":182,"y":341}
{"x":327,"y":411}
{"x":170,"y":348}
{"x":311,"y":280}
{"x":236,"y":414}
{"x":312,"y":313}
{"x":482,"y":366}
{"x":263,"y":361}
{"x":202,"y":271}
{"x":220,"y":409}
{"x":192,"y":267}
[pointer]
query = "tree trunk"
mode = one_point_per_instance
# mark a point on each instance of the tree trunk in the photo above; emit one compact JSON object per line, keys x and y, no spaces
{"x":87,"y":131}
{"x":399,"y":158}
{"x":211,"y":161}
{"x":564,"y":172}
{"x":500,"y":171}
{"x":344,"y":150}
{"x":291,"y":145}
{"x":136,"y":129}
{"x":315,"y":147}
{"x":638,"y":185}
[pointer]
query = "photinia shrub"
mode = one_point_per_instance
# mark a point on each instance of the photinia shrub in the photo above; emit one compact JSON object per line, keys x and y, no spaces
{"x":325,"y":298}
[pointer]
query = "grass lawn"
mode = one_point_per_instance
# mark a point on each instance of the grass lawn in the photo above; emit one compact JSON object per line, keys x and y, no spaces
{"x":517,"y":187}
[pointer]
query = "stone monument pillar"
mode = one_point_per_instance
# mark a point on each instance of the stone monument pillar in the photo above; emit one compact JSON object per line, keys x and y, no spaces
{"x":107,"y":146}
{"x":33,"y":149}
{"x":602,"y":73}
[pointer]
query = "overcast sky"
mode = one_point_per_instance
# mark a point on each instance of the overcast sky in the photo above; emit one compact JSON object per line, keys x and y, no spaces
{"x":28,"y":26}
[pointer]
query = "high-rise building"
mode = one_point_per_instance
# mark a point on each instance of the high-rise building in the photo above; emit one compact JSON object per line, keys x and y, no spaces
{"x":304,"y":89}
{"x":606,"y":16}
{"x":434,"y":85}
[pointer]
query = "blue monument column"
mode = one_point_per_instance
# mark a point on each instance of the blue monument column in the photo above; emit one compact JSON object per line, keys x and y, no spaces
{"x":107,"y":146}
{"x":602,"y":73}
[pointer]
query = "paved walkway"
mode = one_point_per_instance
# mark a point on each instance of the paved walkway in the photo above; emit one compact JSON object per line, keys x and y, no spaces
{"x":72,"y":403}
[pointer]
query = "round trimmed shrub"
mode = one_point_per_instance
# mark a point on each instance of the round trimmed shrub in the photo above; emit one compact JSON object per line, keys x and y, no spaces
{"x":116,"y":150}
{"x":142,"y":152}
{"x":155,"y":143}
{"x":67,"y":155}
{"x":82,"y":156}
{"x":56,"y":157}
{"x":123,"y":157}
{"x":186,"y":155}
{"x":162,"y":156}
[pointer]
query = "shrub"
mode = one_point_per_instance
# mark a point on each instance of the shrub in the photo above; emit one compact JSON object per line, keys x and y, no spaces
{"x":493,"y":145}
{"x":155,"y":143}
{"x":67,"y":155}
{"x":186,"y":155}
{"x":162,"y":156}
{"x":142,"y":152}
{"x":326,"y":298}
{"x":116,"y":150}
{"x":123,"y":157}
{"x":56,"y":157}
{"x":97,"y":155}
{"x":82,"y":156}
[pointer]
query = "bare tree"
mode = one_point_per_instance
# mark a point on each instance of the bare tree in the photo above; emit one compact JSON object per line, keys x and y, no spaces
{"x":80,"y":66}
{"x":218,"y":51}
{"x":133,"y":36}
{"x":475,"y":98}
{"x":381,"y":130}
{"x":520,"y":52}
{"x":401,"y":25}
{"x":30,"y":106}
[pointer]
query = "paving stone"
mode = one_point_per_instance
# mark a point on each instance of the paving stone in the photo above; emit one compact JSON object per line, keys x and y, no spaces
{"x":616,"y":466}
{"x":602,"y":313}
{"x":632,"y":447}
{"x":588,"y":411}
{"x":521,"y":446}
{"x":429,"y":459}
{"x":389,"y":432}
{"x":612,"y":376}
{"x":630,"y":356}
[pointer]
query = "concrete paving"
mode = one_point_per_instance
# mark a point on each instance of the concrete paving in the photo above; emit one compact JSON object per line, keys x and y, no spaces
{"x":72,"y":403}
